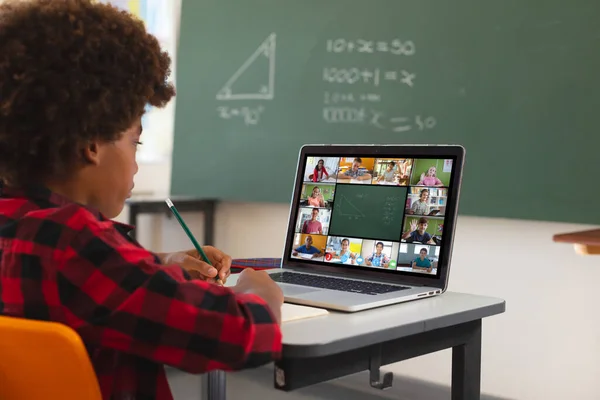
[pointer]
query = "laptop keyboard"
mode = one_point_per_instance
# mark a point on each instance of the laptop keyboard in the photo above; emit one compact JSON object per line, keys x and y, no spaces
{"x":343,"y":285}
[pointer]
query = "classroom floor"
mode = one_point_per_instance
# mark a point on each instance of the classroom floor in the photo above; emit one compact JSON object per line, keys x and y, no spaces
{"x":258,"y":383}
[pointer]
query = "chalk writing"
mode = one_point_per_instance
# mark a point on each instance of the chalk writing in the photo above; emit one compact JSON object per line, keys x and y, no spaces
{"x":379,"y":119}
{"x":425,"y":122}
{"x":369,"y":46}
{"x":382,"y":47}
{"x":348,"y":210}
{"x":342,"y":75}
{"x":373,"y":76}
{"x":336,"y":98}
{"x":263,"y":58}
{"x":375,"y":119}
{"x":344,"y":114}
{"x":400,"y":123}
{"x":353,"y":106}
{"x":403,"y":77}
{"x":250,"y":115}
{"x":390,"y":209}
{"x":374,"y":97}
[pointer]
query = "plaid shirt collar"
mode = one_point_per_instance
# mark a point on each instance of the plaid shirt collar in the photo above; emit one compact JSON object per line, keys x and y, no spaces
{"x":45,"y":198}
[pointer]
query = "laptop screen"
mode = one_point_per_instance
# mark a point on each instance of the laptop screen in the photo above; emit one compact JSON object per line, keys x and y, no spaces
{"x":383,"y":213}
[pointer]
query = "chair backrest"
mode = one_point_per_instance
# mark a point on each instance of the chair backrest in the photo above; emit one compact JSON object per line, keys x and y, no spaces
{"x":44,"y":360}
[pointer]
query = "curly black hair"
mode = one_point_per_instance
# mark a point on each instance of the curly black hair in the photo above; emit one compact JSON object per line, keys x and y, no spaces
{"x":71,"y":71}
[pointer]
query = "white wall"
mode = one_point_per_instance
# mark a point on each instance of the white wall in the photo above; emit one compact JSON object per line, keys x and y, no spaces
{"x":547,"y":344}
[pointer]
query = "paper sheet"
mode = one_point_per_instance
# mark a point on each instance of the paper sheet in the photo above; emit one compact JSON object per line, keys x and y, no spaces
{"x":293,"y":312}
{"x":307,"y":256}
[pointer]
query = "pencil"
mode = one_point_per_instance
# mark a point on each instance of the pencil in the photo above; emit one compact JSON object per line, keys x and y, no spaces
{"x":189,"y":235}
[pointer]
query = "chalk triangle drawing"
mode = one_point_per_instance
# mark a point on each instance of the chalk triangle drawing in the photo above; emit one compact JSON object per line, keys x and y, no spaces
{"x":266,"y":91}
{"x":347,"y":209}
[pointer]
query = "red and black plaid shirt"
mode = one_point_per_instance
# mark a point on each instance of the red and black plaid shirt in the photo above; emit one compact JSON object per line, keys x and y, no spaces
{"x":61,"y":261}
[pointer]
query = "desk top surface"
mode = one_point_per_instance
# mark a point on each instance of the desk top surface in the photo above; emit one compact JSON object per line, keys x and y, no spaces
{"x":338,"y":331}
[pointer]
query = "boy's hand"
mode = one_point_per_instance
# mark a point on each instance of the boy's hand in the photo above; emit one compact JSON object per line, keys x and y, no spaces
{"x":192,"y":262}
{"x":261,"y":284}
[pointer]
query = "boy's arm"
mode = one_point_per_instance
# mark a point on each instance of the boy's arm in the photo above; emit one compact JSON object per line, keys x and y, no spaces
{"x":116,"y":296}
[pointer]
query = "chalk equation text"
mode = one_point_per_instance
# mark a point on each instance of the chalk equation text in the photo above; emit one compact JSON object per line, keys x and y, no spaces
{"x":379,"y":119}
{"x":337,"y":98}
{"x":250,"y":115}
{"x":368,"y":46}
{"x":373,"y":76}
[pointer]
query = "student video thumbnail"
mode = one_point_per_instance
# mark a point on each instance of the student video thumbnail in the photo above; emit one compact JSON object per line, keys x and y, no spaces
{"x":314,"y":221}
{"x":356,"y":170}
{"x":321,"y":169}
{"x":343,"y":250}
{"x":392,"y":171}
{"x":432,"y":173}
{"x":378,"y":254}
{"x":317,"y":195}
{"x":418,"y":258}
{"x":309,"y":247}
{"x":429,"y":201}
{"x":425,"y":230}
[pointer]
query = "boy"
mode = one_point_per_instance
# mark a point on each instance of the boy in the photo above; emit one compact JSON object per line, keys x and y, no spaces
{"x":354,"y":172}
{"x":418,"y":232}
{"x":75,"y":77}
{"x":422,"y":263}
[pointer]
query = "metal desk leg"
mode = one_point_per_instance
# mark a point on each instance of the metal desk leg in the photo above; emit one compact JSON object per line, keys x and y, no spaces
{"x":466,"y":367}
{"x":214,"y":386}
{"x":134,"y":210}
{"x":209,"y":223}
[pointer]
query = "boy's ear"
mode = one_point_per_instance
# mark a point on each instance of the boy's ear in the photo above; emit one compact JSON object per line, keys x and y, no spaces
{"x":91,"y":153}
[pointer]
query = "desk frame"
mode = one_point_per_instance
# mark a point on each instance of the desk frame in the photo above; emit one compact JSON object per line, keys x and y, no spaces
{"x":465,"y":340}
{"x":293,"y":373}
{"x":158,"y":206}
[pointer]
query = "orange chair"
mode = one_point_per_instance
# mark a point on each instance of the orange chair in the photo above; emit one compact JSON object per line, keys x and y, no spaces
{"x":44,"y":360}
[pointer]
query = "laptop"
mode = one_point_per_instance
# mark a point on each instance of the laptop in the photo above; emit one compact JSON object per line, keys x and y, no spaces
{"x":370,"y":225}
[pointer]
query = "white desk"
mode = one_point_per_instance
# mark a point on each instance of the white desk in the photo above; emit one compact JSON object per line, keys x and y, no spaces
{"x":304,"y":256}
{"x":409,"y":269}
{"x":355,"y":181}
{"x":328,"y":347}
{"x":388,"y":183}
{"x":327,"y":180}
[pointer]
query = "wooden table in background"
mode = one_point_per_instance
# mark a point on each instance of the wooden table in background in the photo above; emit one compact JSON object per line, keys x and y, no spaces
{"x":585,"y":242}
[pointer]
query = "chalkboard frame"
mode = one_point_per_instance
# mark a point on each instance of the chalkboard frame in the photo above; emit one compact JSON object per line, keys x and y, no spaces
{"x":450,"y":151}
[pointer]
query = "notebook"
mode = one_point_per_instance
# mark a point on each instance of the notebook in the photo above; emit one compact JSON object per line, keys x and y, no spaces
{"x":294,"y":312}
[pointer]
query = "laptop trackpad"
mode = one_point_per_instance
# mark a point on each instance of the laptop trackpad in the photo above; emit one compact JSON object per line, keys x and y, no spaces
{"x":291,"y":290}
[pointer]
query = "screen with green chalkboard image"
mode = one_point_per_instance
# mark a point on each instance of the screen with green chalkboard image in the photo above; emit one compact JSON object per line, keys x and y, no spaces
{"x":379,"y":211}
{"x":374,"y":212}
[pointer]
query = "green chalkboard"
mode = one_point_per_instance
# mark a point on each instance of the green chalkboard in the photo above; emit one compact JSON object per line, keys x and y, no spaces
{"x":378,"y":209}
{"x":515,"y":81}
